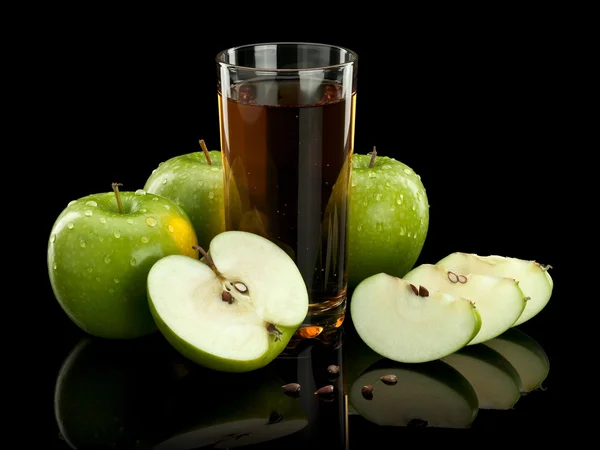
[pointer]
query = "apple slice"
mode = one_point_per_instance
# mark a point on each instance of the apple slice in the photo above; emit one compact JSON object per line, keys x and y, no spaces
{"x":495,"y":380}
{"x":525,"y":354}
{"x":498,"y":300}
{"x":533,"y":278}
{"x":392,"y":318}
{"x":237,"y":311}
{"x":431,"y":394}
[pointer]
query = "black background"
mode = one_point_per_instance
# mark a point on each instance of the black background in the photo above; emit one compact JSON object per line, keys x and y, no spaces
{"x":465,"y":105}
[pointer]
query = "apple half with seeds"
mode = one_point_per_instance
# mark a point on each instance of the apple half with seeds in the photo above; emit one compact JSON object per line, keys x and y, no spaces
{"x":498,"y":300}
{"x":236,"y":310}
{"x":405,"y":324}
{"x":533,"y":277}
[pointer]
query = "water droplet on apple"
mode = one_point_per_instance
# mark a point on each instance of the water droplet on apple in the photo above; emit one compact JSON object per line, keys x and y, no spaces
{"x":201,"y":183}
{"x":150,"y":221}
{"x":116,"y":280}
{"x":164,"y":181}
{"x":184,"y":176}
{"x":379,"y":226}
{"x":211,"y":194}
{"x":54,"y":266}
{"x":90,"y":270}
{"x":359,"y":227}
{"x":153,"y":170}
{"x":166,"y":207}
{"x":145,"y":239}
{"x":402,"y":231}
{"x":70,"y":225}
{"x":399,"y":201}
{"x":91,"y":203}
{"x":140,"y":192}
{"x":409,"y":234}
{"x":419,"y":199}
{"x":414,"y":208}
{"x":171,"y":229}
{"x":378,"y":197}
{"x":372,"y":174}
{"x":154,"y":199}
{"x":415,"y":235}
{"x":133,"y":261}
{"x":215,"y":169}
{"x":53,"y":238}
{"x":88,"y":212}
{"x":388,"y":184}
{"x":354,"y":183}
{"x":111,"y":290}
{"x":71,"y":203}
{"x":160,"y":163}
{"x":422,"y":221}
{"x":82,"y":243}
{"x":117,"y":234}
{"x":102,"y":220}
{"x":97,"y":278}
{"x":365,"y":202}
{"x":393,"y":208}
{"x":143,"y":210}
{"x":130,"y":221}
{"x":107,"y":259}
{"x":100,"y":238}
{"x":407,"y":171}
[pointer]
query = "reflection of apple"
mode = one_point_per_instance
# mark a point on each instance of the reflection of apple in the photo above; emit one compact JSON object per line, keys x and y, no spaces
{"x":395,"y":321}
{"x":429,"y":394}
{"x":498,"y":300}
{"x":224,"y":410}
{"x":533,"y":278}
{"x":495,"y":380}
{"x":100,"y":250}
{"x":195,"y":182}
{"x":237,"y":311}
{"x":107,"y":393}
{"x":525,"y":354}
{"x":388,"y":218}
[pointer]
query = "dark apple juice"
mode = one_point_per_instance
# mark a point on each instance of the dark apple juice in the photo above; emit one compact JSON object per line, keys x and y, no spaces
{"x":287,"y":148}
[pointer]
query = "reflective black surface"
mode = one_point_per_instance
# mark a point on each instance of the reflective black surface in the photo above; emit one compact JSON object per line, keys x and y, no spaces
{"x":142,"y":394}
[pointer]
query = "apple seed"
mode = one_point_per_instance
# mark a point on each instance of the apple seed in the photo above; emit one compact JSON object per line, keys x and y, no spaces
{"x":333,"y":369}
{"x":452,"y":277}
{"x":462,"y":279}
{"x":325,"y":390}
{"x":423,"y":292}
{"x":367,"y":392}
{"x":389,"y":379}
{"x":272,"y":329}
{"x":415,"y":290}
{"x":227,"y":297}
{"x":241,"y":287}
{"x":291,"y":388}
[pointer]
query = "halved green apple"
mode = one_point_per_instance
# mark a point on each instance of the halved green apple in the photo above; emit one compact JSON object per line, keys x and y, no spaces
{"x":430,"y":394}
{"x":525,"y":354}
{"x":498,"y":300}
{"x":495,"y":380}
{"x":533,"y":278}
{"x":237,"y":311}
{"x":395,"y":321}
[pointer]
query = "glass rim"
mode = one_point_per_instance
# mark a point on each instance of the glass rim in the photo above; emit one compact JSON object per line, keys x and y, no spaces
{"x":352,"y":53}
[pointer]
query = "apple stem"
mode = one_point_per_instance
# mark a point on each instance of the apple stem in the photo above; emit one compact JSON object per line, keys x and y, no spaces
{"x":373,"y":156}
{"x":115,"y":187}
{"x":205,"y":150}
{"x":209,"y":260}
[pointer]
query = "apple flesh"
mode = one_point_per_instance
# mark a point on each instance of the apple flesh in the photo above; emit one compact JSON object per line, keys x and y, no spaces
{"x":525,"y":354}
{"x":498,"y":300}
{"x":403,"y":326}
{"x":533,"y":278}
{"x":388,"y":218}
{"x":99,"y":258}
{"x":431,"y":394}
{"x":237,"y":311}
{"x":495,"y":380}
{"x":196,"y":185}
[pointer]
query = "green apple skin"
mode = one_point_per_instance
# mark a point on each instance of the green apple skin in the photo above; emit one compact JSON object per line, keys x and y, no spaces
{"x":99,"y":259}
{"x":204,"y":359}
{"x":108,"y":394}
{"x":388,"y":218}
{"x":197,"y":187}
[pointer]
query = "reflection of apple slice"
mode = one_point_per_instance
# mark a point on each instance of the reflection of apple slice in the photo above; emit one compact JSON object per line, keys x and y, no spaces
{"x":249,"y":409}
{"x":236,"y":313}
{"x":525,"y":354}
{"x":498,"y":300}
{"x":495,"y":380}
{"x":401,"y":325}
{"x":432,"y":394}
{"x":533,"y":278}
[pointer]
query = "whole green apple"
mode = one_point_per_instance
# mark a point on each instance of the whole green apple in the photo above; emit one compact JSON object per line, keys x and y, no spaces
{"x":100,"y":251}
{"x":388,"y":217}
{"x":195,"y":182}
